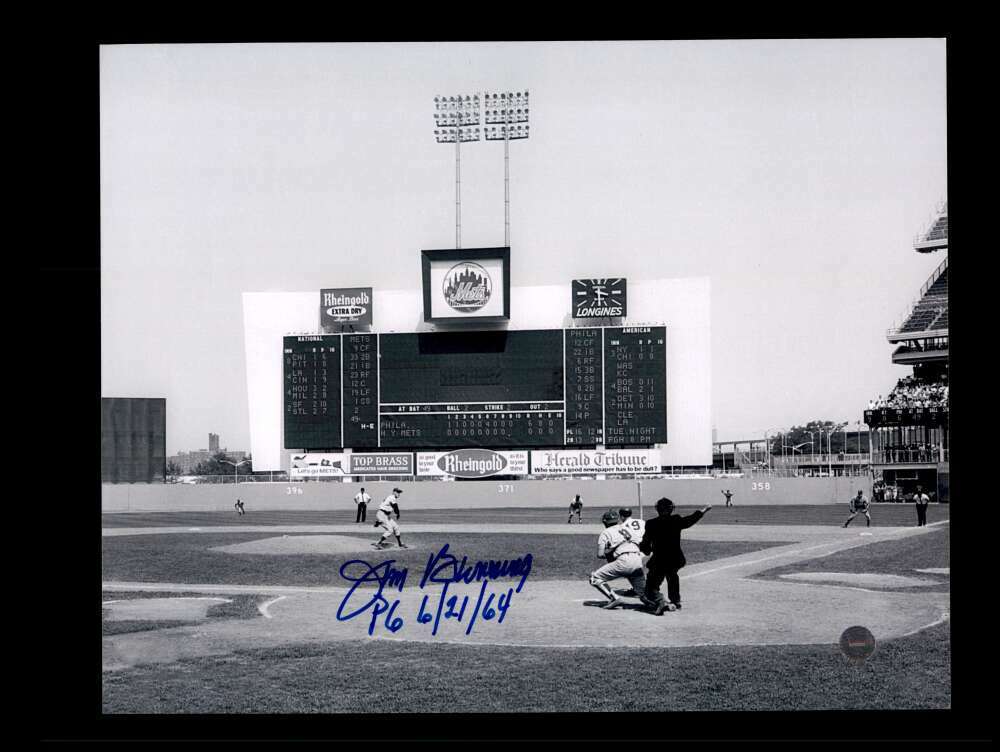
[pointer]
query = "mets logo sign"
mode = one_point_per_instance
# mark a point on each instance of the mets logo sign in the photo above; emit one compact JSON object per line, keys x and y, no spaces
{"x":467,"y":287}
{"x":472,"y":463}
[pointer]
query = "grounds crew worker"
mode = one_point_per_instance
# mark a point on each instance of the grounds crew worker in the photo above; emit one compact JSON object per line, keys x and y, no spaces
{"x":663,"y":540}
{"x":362,"y":500}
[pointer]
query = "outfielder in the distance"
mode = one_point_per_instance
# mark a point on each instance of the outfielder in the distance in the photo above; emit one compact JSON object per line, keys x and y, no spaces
{"x":575,"y":507}
{"x":859,"y":504}
{"x":384,"y":520}
{"x":617,"y":547}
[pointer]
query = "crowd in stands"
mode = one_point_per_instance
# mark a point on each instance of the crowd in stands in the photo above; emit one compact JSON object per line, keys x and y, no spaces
{"x":912,"y":453}
{"x":882,"y":491}
{"x":911,"y":392}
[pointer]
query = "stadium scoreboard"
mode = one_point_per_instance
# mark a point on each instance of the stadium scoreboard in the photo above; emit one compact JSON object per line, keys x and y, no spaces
{"x":526,"y":388}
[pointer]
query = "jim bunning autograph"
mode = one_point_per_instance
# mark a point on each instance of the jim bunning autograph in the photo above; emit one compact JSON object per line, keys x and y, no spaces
{"x":443,"y":568}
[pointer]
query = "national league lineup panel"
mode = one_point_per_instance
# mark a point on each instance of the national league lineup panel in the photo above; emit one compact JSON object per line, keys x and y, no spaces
{"x":523,"y":388}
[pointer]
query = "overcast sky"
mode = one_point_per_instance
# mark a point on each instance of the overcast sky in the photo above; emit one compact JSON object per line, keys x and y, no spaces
{"x":794,"y":174}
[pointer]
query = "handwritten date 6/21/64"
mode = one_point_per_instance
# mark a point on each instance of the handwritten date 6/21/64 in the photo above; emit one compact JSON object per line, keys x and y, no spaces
{"x":443,"y":568}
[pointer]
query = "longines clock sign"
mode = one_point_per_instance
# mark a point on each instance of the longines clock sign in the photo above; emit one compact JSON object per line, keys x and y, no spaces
{"x":599,"y":298}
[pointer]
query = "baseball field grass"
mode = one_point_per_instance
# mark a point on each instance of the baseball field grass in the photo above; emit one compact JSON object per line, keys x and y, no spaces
{"x":341,"y":513}
{"x":190,"y":558}
{"x":239,"y":606}
{"x":906,"y":557}
{"x":367,"y":676}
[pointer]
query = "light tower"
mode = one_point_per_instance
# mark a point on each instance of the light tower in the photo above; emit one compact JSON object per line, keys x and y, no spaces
{"x":506,"y":119}
{"x":455,"y":120}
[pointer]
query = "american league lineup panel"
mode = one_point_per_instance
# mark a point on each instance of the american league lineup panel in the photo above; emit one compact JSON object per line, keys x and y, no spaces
{"x":527,"y":388}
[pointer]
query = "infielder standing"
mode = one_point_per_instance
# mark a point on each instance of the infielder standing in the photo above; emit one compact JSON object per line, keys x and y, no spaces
{"x":362,"y":500}
{"x":384,"y":520}
{"x":575,"y":507}
{"x":616,"y":546}
{"x":922,"y":500}
{"x":859,"y":504}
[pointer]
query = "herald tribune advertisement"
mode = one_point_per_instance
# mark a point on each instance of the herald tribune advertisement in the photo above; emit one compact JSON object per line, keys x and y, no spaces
{"x":587,"y":461}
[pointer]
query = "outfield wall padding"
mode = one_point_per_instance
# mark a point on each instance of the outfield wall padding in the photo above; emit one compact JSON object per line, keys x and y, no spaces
{"x":596,"y":494}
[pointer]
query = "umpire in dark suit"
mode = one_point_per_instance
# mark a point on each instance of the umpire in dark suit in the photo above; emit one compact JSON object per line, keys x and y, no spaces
{"x":662,"y":539}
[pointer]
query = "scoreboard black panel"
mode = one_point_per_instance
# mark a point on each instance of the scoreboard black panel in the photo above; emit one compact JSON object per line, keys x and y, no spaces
{"x":529,"y":388}
{"x":312,"y":391}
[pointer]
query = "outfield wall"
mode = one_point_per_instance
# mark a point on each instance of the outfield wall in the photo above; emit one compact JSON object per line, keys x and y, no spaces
{"x":141,"y":497}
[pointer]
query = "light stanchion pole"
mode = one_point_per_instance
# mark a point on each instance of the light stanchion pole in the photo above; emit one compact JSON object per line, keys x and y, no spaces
{"x":506,"y":119}
{"x":455,"y":121}
{"x":236,"y":467}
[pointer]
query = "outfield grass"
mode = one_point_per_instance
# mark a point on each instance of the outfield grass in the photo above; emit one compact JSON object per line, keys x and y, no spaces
{"x":188,"y":558}
{"x":909,"y":672}
{"x":902,"y":556}
{"x":801,"y":514}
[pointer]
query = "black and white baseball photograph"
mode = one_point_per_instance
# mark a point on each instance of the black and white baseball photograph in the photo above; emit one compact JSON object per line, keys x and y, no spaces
{"x":571,"y":379}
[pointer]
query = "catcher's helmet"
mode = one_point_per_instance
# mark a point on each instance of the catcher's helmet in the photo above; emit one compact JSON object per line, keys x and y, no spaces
{"x":624,"y":513}
{"x":610,"y":517}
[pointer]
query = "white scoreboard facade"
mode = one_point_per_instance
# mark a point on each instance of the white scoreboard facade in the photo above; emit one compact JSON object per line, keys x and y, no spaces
{"x":681,"y":306}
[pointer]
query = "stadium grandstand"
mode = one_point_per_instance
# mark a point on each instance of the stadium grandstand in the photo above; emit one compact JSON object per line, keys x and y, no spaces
{"x":909,"y":426}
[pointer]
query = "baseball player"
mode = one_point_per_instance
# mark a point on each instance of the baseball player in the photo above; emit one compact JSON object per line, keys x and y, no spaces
{"x":575,"y":507}
{"x":729,"y":497}
{"x":362,"y":500}
{"x":859,"y":504}
{"x":636,"y":528}
{"x":240,"y":511}
{"x":384,"y":520}
{"x":922,"y":500}
{"x":617,"y":547}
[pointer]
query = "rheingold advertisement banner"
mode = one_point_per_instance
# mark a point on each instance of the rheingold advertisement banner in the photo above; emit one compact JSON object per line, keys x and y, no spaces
{"x":589,"y":461}
{"x":345,"y":305}
{"x":471,"y":463}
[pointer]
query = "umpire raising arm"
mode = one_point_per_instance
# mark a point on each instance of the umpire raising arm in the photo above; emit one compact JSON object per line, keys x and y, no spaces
{"x":663,"y":540}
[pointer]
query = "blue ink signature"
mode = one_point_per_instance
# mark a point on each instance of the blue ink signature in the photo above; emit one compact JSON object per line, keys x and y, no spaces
{"x":442,"y":568}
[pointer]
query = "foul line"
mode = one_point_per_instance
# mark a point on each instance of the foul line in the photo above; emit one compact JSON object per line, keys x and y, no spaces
{"x":944,"y":617}
{"x":793,"y":552}
{"x":263,"y":607}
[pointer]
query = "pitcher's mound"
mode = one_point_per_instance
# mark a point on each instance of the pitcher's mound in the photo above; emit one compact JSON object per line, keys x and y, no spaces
{"x":864,"y":580}
{"x":306,"y":544}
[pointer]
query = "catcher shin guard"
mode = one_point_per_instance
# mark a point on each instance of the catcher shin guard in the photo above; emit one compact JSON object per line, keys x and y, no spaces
{"x":603,"y":587}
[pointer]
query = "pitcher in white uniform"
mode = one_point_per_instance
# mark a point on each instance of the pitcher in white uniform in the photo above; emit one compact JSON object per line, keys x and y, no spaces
{"x":384,"y":520}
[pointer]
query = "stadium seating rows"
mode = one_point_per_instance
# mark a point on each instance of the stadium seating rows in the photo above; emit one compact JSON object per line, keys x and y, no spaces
{"x":927,"y":314}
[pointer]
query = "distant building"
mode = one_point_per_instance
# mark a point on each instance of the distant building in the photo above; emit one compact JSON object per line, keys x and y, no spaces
{"x":133,"y":440}
{"x":213,"y":443}
{"x":188,"y":461}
